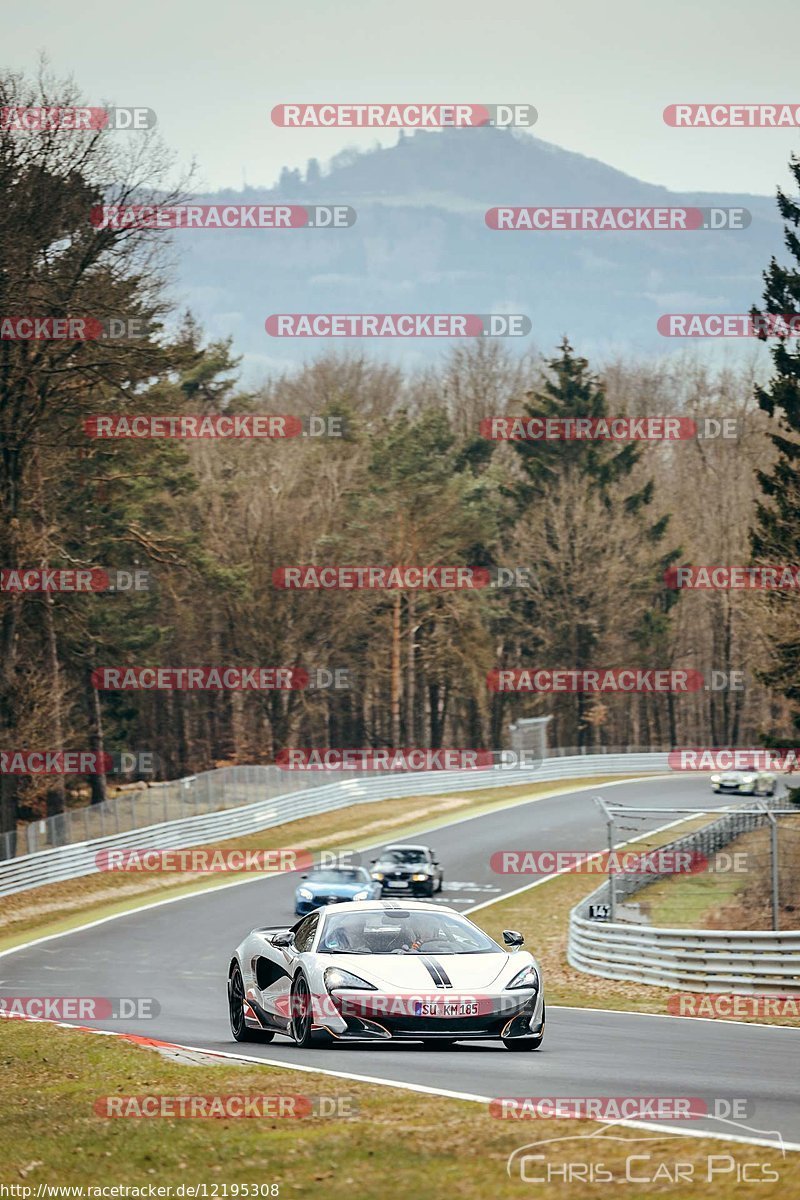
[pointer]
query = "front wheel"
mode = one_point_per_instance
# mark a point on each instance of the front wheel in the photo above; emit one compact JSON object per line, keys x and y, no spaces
{"x":521,"y":1044}
{"x":302,"y":1014}
{"x":239,"y":1029}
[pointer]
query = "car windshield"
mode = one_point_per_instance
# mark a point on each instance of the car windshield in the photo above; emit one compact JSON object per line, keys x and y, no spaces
{"x":398,"y":931}
{"x":339,"y":875}
{"x":400,"y":855}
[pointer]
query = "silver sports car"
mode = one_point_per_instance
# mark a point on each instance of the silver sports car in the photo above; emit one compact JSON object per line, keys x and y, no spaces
{"x":378,"y":970}
{"x":745,"y":783}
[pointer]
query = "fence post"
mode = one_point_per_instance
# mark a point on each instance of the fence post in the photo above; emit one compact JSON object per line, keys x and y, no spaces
{"x":612,"y":883}
{"x":773,"y":838}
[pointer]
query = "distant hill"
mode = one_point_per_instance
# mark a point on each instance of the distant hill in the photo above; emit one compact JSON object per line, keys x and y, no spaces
{"x":420,"y":244}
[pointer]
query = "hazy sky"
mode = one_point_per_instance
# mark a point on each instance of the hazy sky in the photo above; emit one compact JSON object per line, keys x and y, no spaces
{"x":599,"y":72}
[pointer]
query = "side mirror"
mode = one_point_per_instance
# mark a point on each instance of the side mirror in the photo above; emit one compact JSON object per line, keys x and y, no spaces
{"x":512,"y":938}
{"x":283,"y":939}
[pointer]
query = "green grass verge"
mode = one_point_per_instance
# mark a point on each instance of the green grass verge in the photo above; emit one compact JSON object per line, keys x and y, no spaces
{"x":405,"y":1143}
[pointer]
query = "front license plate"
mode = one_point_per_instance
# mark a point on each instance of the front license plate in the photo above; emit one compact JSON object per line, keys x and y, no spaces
{"x":443,"y":1009}
{"x":398,"y":882}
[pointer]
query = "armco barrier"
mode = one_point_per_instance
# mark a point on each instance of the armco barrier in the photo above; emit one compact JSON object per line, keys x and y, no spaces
{"x":743,"y":962}
{"x":69,"y":862}
{"x":694,"y":960}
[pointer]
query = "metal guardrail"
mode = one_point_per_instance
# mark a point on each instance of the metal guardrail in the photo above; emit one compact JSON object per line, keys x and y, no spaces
{"x":301,"y":794}
{"x":744,"y":962}
{"x":205,"y":792}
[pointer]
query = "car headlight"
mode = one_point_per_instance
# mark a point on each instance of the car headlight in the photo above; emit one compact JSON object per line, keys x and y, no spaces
{"x":377,"y":875}
{"x":305,"y":894}
{"x":527,"y":978}
{"x":715,"y":778}
{"x":337,"y":980}
{"x":749,"y":778}
{"x":420,"y":878}
{"x":361,"y":895}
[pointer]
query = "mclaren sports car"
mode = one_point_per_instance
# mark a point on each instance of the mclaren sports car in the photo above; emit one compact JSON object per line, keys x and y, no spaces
{"x":379,"y":971}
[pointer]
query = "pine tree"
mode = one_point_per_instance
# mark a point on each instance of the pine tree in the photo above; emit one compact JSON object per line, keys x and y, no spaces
{"x":585,"y":517}
{"x":776,"y":535}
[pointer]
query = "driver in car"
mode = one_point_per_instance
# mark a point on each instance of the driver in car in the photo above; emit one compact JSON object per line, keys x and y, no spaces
{"x":424,"y":930}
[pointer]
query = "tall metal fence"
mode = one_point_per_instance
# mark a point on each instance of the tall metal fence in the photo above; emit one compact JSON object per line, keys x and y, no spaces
{"x":236,"y":801}
{"x":214,"y":791}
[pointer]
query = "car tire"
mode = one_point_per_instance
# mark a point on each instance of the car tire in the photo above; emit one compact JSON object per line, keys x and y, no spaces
{"x":441,"y":883}
{"x":301,"y":1010}
{"x":518,"y":1044}
{"x":239,"y":1029}
{"x":522,"y":1044}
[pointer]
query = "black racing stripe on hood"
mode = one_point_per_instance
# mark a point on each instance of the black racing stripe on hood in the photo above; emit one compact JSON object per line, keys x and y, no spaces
{"x":437,"y":972}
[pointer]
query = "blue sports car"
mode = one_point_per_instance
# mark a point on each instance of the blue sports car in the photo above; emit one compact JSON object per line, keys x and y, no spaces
{"x":334,"y":885}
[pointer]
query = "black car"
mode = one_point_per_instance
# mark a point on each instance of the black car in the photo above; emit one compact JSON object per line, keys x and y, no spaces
{"x":407,"y":871}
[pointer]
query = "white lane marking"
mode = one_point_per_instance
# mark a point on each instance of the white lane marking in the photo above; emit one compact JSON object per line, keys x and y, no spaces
{"x":718,"y":1021}
{"x":130,"y":912}
{"x":526,"y":887}
{"x":425,"y":1089}
{"x":470,"y":887}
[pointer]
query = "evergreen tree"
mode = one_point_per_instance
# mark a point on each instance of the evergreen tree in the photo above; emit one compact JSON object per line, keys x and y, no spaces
{"x":776,"y":534}
{"x":584,"y":514}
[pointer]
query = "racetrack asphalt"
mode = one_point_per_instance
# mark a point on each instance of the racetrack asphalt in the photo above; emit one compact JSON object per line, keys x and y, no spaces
{"x":178,"y":953}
